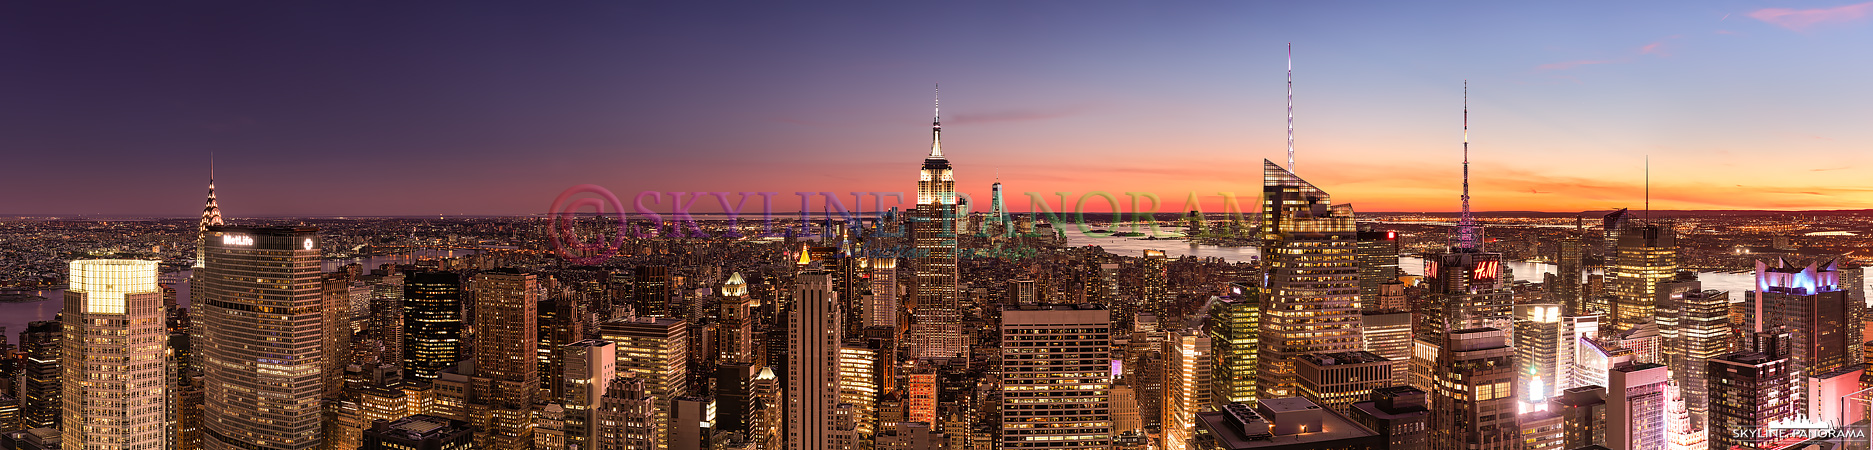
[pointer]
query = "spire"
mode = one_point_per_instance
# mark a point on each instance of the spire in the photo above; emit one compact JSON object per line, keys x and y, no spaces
{"x":1469,"y":235}
{"x":1290,"y":107}
{"x":936,"y":127}
{"x":211,"y":215}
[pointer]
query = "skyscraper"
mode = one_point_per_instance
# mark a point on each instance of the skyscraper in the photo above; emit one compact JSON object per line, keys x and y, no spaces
{"x":1378,"y":263}
{"x":1824,"y":329}
{"x":590,"y":366}
{"x":936,"y":321}
{"x":1749,"y":390}
{"x":114,"y":316}
{"x":1056,"y":377}
{"x":998,"y":210}
{"x":1539,"y":344}
{"x":507,"y":370}
{"x":650,"y":291}
{"x":1187,"y":383}
{"x":335,"y":295}
{"x":1473,"y":402}
{"x":858,"y":385}
{"x":813,"y":362}
{"x":258,"y":308}
{"x":1312,"y":274}
{"x":735,"y":323}
{"x":1570,"y":255}
{"x":432,"y":323}
{"x":211,"y":217}
{"x":41,"y":402}
{"x":1338,"y":380}
{"x":1700,"y":331}
{"x":1583,"y":416}
{"x":654,"y":350}
{"x":1388,"y":334}
{"x":1235,"y":334}
{"x":1635,"y":406}
{"x":881,"y":309}
{"x":1644,"y":255}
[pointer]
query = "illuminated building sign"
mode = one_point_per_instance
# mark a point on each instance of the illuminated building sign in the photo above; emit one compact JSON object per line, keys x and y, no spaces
{"x":238,"y":239}
{"x":308,"y":244}
{"x":1486,"y":270}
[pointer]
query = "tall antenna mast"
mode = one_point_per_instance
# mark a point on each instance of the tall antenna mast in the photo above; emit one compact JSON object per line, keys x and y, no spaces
{"x":1648,"y":188}
{"x":1468,"y":238}
{"x":1290,"y":107}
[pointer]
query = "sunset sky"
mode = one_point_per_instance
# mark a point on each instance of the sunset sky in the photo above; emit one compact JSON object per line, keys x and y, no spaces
{"x":361,"y":108}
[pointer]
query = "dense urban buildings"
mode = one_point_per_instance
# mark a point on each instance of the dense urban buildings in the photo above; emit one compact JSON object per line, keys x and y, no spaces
{"x":919,"y":322}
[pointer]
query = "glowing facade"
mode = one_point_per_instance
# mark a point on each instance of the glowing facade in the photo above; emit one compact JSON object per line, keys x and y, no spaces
{"x":858,"y":386}
{"x":113,"y":321}
{"x":1824,"y":328}
{"x":936,"y":325}
{"x":1186,"y":386}
{"x":432,"y":323}
{"x":507,"y":369}
{"x":211,"y":217}
{"x":1538,"y":348}
{"x":258,"y":306}
{"x":813,"y":363}
{"x":1473,"y":401}
{"x":734,"y":332}
{"x":1310,"y":259}
{"x":1635,"y":406}
{"x":590,"y":366}
{"x":1644,"y":256}
{"x":655,"y":351}
{"x":881,"y":309}
{"x":1235,"y":336}
{"x":1056,"y":380}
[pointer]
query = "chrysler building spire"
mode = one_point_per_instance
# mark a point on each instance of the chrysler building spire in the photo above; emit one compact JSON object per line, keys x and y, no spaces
{"x":211,"y":216}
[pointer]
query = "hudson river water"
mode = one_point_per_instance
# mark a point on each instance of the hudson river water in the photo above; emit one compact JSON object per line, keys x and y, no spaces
{"x":1735,"y":283}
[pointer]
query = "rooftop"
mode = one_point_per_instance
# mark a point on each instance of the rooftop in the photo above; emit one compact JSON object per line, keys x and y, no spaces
{"x":1334,"y":428}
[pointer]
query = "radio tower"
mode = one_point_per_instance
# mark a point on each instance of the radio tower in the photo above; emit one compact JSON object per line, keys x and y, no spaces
{"x":1291,"y":107}
{"x":1469,"y":235}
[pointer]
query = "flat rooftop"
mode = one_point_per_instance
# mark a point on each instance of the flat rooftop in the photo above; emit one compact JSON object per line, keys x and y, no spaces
{"x":1334,"y":427}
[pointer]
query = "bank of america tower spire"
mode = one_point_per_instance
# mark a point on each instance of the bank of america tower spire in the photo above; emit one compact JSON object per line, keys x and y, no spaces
{"x":936,"y":325}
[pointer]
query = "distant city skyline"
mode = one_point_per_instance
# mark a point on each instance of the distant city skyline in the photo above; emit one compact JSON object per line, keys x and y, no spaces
{"x":494,"y":110}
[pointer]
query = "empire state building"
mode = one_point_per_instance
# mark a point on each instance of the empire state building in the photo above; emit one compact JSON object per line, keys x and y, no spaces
{"x":936,"y":321}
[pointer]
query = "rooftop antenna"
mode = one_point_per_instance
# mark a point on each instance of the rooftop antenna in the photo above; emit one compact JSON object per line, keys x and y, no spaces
{"x":1648,"y":188}
{"x":1467,"y":237}
{"x":1290,"y":107}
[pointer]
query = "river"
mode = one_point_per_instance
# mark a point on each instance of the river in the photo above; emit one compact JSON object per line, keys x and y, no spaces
{"x":1735,"y":283}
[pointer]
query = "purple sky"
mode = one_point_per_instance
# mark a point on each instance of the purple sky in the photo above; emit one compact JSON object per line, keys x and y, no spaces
{"x":354,"y":108}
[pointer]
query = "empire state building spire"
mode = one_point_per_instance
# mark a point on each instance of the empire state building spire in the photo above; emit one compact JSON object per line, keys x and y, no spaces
{"x":211,"y":216}
{"x":936,"y":127}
